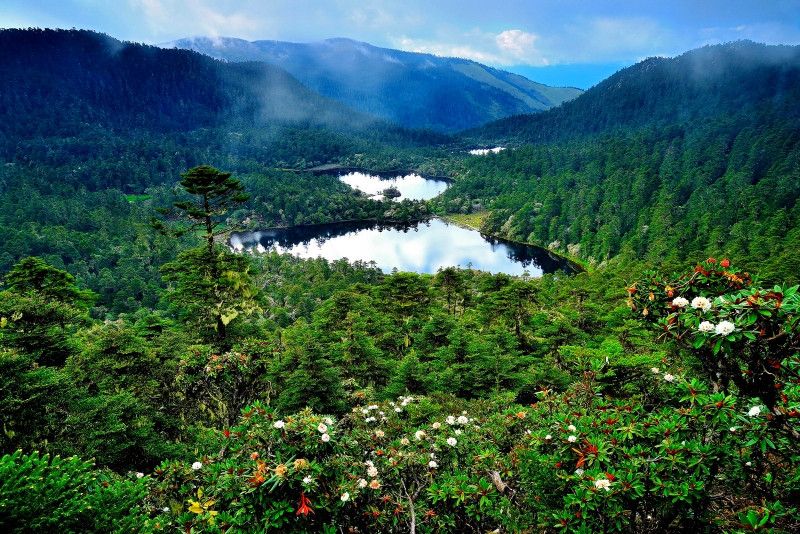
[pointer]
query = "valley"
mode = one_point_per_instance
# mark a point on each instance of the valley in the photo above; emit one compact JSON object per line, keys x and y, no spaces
{"x":264,"y":286}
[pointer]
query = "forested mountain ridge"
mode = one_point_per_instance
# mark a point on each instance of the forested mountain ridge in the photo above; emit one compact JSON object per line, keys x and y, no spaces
{"x":705,"y":82}
{"x":411,"y":89}
{"x":62,"y":81}
{"x":86,"y":119}
{"x":665,"y":160}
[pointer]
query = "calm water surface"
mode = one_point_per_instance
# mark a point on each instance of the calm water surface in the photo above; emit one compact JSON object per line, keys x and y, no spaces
{"x":422,"y":248}
{"x":411,"y":186}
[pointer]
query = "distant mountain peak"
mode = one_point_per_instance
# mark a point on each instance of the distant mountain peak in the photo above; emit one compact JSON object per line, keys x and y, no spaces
{"x":411,"y":89}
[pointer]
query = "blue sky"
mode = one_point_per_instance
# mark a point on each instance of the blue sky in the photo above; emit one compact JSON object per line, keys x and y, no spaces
{"x":565,"y":42}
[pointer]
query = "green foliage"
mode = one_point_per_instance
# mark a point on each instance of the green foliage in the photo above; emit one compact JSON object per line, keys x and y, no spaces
{"x":210,"y":291}
{"x":666,"y":193}
{"x":40,"y":493}
{"x":746,"y":336}
{"x":40,"y":309}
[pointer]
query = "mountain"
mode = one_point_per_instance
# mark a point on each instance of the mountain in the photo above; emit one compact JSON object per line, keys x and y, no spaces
{"x":709,"y":81}
{"x":58,"y":82}
{"x":668,"y":160}
{"x":95,"y":108}
{"x":410,"y":89}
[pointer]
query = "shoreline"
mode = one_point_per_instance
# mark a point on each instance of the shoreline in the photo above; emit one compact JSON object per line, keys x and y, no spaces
{"x":388,"y":173}
{"x":575,"y":263}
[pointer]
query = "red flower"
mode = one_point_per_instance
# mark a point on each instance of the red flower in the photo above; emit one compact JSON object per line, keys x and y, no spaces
{"x":304,"y":508}
{"x":711,"y":260}
{"x":725,"y":263}
{"x":254,"y":455}
{"x":226,"y":433}
{"x":610,"y":477}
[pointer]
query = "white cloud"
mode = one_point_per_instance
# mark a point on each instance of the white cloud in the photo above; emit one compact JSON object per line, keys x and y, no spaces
{"x":509,"y":47}
{"x":199,"y":17}
{"x":515,"y":42}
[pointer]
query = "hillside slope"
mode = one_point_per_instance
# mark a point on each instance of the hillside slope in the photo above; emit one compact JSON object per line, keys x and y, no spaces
{"x":667,"y":160}
{"x":61,"y":81}
{"x":709,"y":81}
{"x":411,"y":89}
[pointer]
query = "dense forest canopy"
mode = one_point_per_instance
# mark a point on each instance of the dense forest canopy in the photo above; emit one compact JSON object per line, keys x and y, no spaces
{"x":152,"y":380}
{"x":666,"y":160}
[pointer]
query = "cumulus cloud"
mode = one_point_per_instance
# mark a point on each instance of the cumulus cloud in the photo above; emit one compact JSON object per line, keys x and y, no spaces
{"x":509,"y":47}
{"x":516,"y":42}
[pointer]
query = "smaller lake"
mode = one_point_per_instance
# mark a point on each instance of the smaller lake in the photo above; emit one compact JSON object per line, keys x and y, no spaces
{"x":423,"y":248}
{"x":411,"y":186}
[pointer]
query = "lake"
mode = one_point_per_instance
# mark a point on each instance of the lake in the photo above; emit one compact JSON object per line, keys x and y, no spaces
{"x":411,"y":186}
{"x":423,"y":248}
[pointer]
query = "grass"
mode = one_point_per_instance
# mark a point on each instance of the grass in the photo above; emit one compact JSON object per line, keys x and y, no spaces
{"x":470,"y":220}
{"x":137,"y":198}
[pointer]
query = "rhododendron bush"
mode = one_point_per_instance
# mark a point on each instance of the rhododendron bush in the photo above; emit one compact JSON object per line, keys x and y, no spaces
{"x":746,"y":337}
{"x":573,"y":460}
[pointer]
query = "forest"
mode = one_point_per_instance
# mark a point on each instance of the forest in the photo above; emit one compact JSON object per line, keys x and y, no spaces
{"x":153,"y":380}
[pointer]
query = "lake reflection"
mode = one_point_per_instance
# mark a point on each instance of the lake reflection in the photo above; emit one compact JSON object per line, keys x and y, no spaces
{"x":411,"y":186}
{"x":422,"y":248}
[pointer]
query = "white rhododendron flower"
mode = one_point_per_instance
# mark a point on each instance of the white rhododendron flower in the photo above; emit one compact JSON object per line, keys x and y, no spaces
{"x":437,"y":425}
{"x":725,"y":327}
{"x":572,"y":439}
{"x":755,"y":411}
{"x":379,"y":433}
{"x":452,"y":441}
{"x":199,"y":465}
{"x":571,"y":428}
{"x":307,"y":480}
{"x":701,"y":303}
{"x":458,"y":431}
{"x":325,"y":438}
{"x":432,"y":464}
{"x":279,"y":424}
{"x":404,"y":441}
{"x":451,"y":420}
{"x":706,"y":326}
{"x":346,"y":496}
{"x":398,"y":409}
{"x":655,"y":370}
{"x":419,"y":434}
{"x":362,"y":483}
{"x":462,"y":420}
{"x":322,"y":428}
{"x":328,"y":421}
{"x":669,"y":378}
{"x":733,"y":429}
{"x":139,"y":475}
{"x":579,"y":472}
{"x":548,"y":436}
{"x":372,"y":471}
{"x":680,"y":302}
{"x":602,"y":483}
